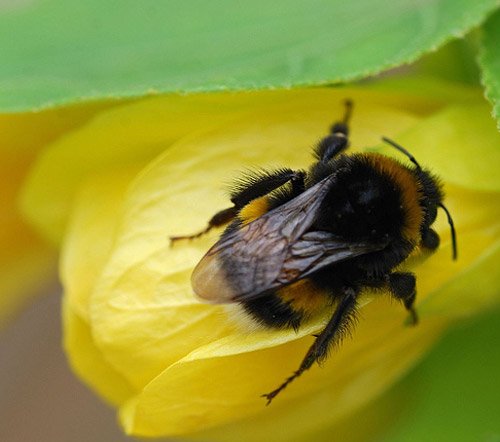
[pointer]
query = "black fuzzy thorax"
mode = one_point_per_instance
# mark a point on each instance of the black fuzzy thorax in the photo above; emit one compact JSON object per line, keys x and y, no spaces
{"x":363,"y":205}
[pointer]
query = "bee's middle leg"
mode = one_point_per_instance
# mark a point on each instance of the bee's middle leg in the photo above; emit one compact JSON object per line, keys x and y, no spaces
{"x":257,"y":186}
{"x":219,"y":219}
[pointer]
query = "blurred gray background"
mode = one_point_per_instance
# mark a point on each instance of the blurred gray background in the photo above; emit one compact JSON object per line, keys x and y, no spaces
{"x":40,"y":399}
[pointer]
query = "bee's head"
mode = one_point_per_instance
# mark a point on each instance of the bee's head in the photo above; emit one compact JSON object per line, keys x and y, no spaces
{"x":432,"y":195}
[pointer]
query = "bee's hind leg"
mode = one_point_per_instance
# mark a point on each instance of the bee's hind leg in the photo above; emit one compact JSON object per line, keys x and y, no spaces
{"x":219,"y":219}
{"x":338,"y":325}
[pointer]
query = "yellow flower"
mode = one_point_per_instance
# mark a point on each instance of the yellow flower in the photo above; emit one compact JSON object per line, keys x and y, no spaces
{"x":27,"y":264}
{"x":115,"y":189}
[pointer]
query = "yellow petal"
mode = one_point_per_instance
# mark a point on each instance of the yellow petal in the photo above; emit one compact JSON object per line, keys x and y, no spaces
{"x":27,"y":264}
{"x":121,"y":136}
{"x":89,"y":241}
{"x":460,"y":143}
{"x":90,"y":236}
{"x":88,"y":362}
{"x":209,"y":387}
{"x":137,"y":132}
{"x":471,"y":283}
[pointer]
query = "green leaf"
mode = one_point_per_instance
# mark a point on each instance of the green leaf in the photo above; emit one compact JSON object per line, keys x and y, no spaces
{"x":454,"y":62}
{"x":453,"y":395}
{"x":489,"y":61}
{"x":55,"y":51}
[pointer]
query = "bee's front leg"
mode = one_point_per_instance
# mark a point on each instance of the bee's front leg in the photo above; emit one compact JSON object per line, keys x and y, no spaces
{"x":430,"y":240}
{"x":403,"y":288}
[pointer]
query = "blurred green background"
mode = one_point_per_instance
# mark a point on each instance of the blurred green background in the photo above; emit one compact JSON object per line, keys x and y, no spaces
{"x":454,"y":394}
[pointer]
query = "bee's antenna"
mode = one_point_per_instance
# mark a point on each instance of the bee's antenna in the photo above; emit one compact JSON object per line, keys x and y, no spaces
{"x":453,"y":233}
{"x":402,"y":150}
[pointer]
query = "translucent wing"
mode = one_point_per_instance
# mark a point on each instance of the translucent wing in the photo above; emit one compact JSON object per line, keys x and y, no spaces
{"x":272,"y":251}
{"x":315,"y":250}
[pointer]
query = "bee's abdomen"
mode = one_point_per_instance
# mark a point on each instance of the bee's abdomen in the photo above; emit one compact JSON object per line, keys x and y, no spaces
{"x":288,"y":306}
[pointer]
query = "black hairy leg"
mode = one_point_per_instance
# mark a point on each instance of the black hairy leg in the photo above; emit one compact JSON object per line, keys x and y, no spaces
{"x":337,"y":140}
{"x":258,"y":184}
{"x":251,"y":187}
{"x":220,"y":219}
{"x":403,"y":288}
{"x":336,"y":328}
{"x":430,"y":239}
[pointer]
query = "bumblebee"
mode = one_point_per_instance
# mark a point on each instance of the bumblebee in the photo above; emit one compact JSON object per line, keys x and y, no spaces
{"x":299,"y":241}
